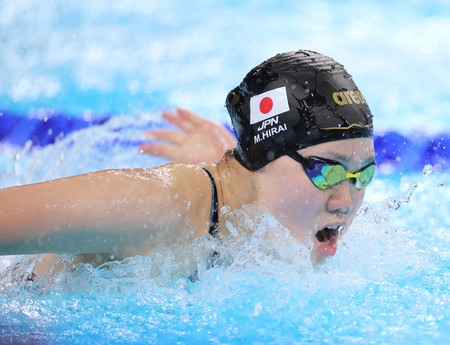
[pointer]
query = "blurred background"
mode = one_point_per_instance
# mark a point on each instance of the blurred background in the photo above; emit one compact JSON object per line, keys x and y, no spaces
{"x":67,"y":65}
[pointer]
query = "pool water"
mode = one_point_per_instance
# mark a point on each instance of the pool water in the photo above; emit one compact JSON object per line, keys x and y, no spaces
{"x":387,"y":284}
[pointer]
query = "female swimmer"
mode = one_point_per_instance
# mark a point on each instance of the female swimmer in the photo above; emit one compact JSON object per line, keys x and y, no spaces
{"x":304,"y":154}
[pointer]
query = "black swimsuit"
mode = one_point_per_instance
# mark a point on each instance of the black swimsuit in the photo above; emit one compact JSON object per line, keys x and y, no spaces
{"x":213,"y":223}
{"x":214,"y":218}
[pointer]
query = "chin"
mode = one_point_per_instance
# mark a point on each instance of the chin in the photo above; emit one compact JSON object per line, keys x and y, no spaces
{"x":318,"y":258}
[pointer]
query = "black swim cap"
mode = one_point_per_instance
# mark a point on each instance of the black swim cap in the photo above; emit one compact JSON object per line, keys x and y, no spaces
{"x":292,"y":101}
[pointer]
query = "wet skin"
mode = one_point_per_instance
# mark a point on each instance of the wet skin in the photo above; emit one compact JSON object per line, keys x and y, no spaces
{"x":149,"y":208}
{"x":286,"y":192}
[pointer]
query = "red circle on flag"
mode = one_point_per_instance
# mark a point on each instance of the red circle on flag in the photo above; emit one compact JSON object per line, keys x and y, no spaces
{"x":266,"y":105}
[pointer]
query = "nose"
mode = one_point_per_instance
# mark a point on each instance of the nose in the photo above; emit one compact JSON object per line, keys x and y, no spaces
{"x":341,"y":198}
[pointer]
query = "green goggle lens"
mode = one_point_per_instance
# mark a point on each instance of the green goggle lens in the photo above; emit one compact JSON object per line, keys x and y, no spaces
{"x":325,"y":173}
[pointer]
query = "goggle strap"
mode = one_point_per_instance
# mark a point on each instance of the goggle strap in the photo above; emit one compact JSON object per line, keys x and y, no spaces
{"x":308,"y":164}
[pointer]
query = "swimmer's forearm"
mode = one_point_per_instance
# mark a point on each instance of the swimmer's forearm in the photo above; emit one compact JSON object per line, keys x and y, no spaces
{"x":101,"y":212}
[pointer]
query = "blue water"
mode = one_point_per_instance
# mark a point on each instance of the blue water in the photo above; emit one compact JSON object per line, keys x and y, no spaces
{"x":69,"y":66}
{"x":388,"y":282}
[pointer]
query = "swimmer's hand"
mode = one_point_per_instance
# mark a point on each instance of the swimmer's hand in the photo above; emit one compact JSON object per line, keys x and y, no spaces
{"x":201,"y":140}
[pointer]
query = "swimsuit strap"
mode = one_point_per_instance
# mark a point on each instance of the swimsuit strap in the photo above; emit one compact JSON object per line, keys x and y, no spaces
{"x":214,"y":218}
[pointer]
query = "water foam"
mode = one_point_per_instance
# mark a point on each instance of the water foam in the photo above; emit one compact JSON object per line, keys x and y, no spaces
{"x":388,"y":282}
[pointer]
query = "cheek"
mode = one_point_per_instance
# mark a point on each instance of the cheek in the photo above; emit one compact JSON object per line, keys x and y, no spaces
{"x":293,"y":198}
{"x":301,"y":203}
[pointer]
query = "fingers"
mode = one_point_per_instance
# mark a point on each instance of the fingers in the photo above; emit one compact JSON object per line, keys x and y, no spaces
{"x":184,"y":119}
{"x":177,"y":121}
{"x":190,"y":117}
{"x":163,"y":150}
{"x":174,"y":137}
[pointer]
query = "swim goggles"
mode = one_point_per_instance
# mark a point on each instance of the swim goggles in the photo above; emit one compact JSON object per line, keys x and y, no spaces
{"x":325,"y":173}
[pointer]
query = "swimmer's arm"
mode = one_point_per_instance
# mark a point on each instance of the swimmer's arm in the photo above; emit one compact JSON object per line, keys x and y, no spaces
{"x":104,"y":212}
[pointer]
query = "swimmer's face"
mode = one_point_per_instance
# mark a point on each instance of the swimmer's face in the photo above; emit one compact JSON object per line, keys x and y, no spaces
{"x":286,"y":192}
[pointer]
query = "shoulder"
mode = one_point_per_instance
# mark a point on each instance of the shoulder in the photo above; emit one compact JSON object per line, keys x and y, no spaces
{"x":165,"y":177}
{"x":173,"y":175}
{"x":182,"y":193}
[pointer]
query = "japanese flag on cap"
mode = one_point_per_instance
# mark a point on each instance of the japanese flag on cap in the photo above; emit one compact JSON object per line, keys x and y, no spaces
{"x":268,"y":104}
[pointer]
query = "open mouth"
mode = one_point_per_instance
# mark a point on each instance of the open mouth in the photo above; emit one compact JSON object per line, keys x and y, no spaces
{"x":327,"y":239}
{"x":327,"y":234}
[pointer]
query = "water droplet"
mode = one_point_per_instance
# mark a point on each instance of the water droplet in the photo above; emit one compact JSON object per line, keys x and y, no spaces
{"x":231,"y":228}
{"x":427,"y":170}
{"x":439,"y":183}
{"x":225,"y":209}
{"x":258,"y":309}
